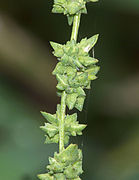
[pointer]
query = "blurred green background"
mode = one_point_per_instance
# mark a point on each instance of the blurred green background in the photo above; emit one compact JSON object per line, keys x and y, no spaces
{"x":111,"y":141}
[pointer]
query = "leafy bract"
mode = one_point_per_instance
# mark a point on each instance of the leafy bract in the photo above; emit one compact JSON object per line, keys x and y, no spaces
{"x":70,"y":7}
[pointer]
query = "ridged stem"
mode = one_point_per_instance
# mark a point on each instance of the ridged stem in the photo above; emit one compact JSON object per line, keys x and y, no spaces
{"x":75,"y":28}
{"x":61,"y":123}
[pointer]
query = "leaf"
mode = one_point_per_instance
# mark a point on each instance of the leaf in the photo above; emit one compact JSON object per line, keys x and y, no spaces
{"x":82,"y":79}
{"x":92,"y":77}
{"x":59,"y":176}
{"x":49,"y":117}
{"x":45,"y":177}
{"x":87,"y":61}
{"x":90,"y":43}
{"x":58,"y":49}
{"x":71,"y":118}
{"x":65,"y":59}
{"x":78,"y":64}
{"x":71,"y":100}
{"x":87,"y":44}
{"x":70,"y":20}
{"x":78,"y":178}
{"x":59,"y":69}
{"x":73,"y":7}
{"x":54,"y":139}
{"x":84,"y":10}
{"x":50,"y":129}
{"x":72,"y":125}
{"x":55,"y":166}
{"x":62,"y":82}
{"x":88,"y":85}
{"x":74,"y":170}
{"x":93,"y":0}
{"x":92,"y":72}
{"x":69,"y":155}
{"x":57,"y":9}
{"x":80,"y":91}
{"x":79,"y":103}
{"x":71,"y":72}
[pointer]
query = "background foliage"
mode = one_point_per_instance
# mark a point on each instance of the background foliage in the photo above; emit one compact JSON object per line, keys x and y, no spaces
{"x":111,"y":140}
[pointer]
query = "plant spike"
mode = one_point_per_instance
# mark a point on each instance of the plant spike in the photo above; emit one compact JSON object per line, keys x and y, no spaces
{"x":74,"y":73}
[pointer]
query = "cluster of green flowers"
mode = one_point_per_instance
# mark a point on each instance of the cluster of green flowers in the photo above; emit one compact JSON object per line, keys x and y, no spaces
{"x":74,"y":72}
{"x":70,"y":7}
{"x":71,"y":126}
{"x":66,"y":165}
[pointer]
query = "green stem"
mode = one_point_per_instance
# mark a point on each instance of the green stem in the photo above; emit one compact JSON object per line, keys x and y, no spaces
{"x":74,"y":35}
{"x":61,"y":123}
{"x":75,"y":27}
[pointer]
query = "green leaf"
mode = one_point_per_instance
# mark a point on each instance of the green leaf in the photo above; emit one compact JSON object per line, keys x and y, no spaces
{"x":72,"y":125}
{"x":59,"y":176}
{"x":92,"y":0}
{"x":92,"y":72}
{"x":82,"y":78}
{"x":71,"y":72}
{"x":69,"y":155}
{"x":71,"y":100}
{"x":78,"y":64}
{"x":79,"y":103}
{"x":87,"y":44}
{"x":45,"y":177}
{"x":49,"y":117}
{"x":62,"y":82}
{"x":55,"y":166}
{"x":50,"y":140}
{"x":71,"y":118}
{"x":50,"y":129}
{"x":88,"y":85}
{"x":65,"y":59}
{"x":74,"y":170}
{"x":87,"y":61}
{"x":57,"y":9}
{"x":90,"y":43}
{"x":59,"y":69}
{"x":70,"y":20}
{"x":74,"y":7}
{"x":84,"y":10}
{"x":80,"y":91}
{"x":58,"y":49}
{"x":76,"y":178}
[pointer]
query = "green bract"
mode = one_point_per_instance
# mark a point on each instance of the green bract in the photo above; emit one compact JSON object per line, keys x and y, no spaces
{"x":71,"y":127}
{"x":74,"y":72}
{"x":75,"y":69}
{"x":70,"y":7}
{"x":65,"y":165}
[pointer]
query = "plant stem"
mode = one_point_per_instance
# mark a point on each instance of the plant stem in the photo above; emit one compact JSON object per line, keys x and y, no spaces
{"x":61,"y":123}
{"x":75,"y":28}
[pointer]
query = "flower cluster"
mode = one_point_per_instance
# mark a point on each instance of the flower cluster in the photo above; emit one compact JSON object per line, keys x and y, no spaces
{"x":71,"y":126}
{"x":75,"y":70}
{"x":70,"y":7}
{"x":66,"y":165}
